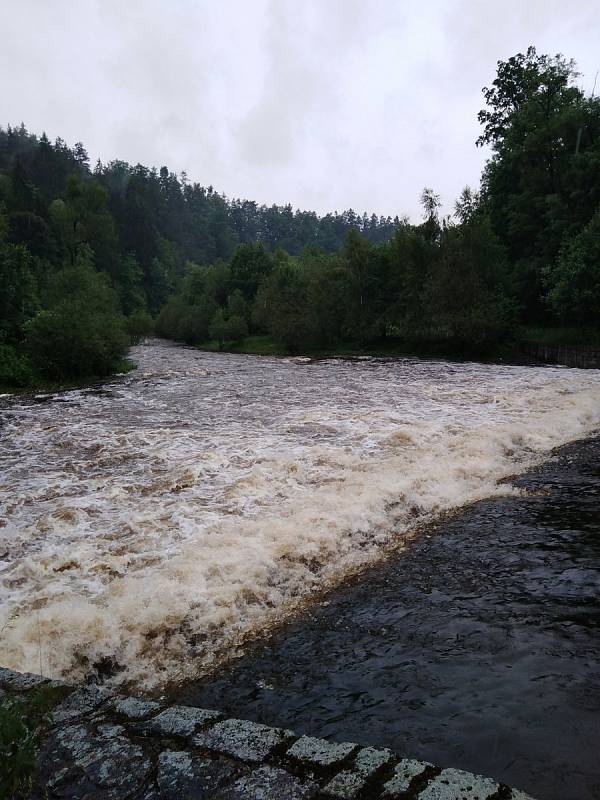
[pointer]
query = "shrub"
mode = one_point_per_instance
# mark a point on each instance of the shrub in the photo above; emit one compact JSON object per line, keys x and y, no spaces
{"x":80,"y":333}
{"x":230,"y":329}
{"x":72,"y":340}
{"x":138,"y":325}
{"x":15,"y":368}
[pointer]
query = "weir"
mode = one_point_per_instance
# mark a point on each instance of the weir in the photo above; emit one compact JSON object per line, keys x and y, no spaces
{"x":99,"y":744}
{"x":177,"y":513}
{"x":175,"y":505}
{"x":569,"y":355}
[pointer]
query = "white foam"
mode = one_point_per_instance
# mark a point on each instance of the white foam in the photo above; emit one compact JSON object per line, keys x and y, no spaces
{"x":159,"y":520}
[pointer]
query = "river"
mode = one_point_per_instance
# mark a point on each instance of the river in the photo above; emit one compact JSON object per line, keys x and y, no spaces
{"x":150,"y":524}
{"x":476,"y":647}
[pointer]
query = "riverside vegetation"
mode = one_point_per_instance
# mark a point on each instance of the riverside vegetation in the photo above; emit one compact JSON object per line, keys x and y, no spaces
{"x":91,"y":258}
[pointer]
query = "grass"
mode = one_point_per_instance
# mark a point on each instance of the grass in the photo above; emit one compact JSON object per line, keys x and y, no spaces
{"x":22,"y":720}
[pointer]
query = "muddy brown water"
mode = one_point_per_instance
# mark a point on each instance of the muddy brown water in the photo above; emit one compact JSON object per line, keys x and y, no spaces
{"x":151,"y":524}
{"x":478,"y":647}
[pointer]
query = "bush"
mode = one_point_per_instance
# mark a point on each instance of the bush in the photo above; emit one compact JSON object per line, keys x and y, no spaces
{"x":183,"y":321}
{"x":81,"y":332}
{"x":15,"y":368}
{"x":72,"y":341}
{"x":138,"y":325}
{"x":573,"y":282}
{"x":18,"y":291}
{"x":230,"y":329}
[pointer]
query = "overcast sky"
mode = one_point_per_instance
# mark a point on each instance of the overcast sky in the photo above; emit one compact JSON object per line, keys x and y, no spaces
{"x":325,"y":104}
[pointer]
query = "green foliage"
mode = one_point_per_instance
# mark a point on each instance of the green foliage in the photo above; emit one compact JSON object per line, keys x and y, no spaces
{"x":541,"y":184}
{"x":81,"y":250}
{"x":285,"y":308}
{"x":536,"y":82}
{"x":168,"y":320}
{"x":82,"y":220}
{"x":464,"y":297}
{"x":574,"y":280}
{"x":139,"y":325}
{"x":261,"y":345}
{"x":328,"y":285}
{"x":358,"y":262}
{"x":128,"y":283}
{"x":15,"y":368}
{"x":18,"y":291}
{"x":184,"y":320}
{"x":21,"y":721}
{"x":80,"y":332}
{"x":249,"y":265}
{"x":227,"y":328}
{"x":237,"y":305}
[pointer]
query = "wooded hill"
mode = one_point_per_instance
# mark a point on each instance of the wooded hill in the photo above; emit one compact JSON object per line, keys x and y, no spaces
{"x":92,"y":256}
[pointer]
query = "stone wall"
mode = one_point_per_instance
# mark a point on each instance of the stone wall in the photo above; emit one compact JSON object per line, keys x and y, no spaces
{"x":98,"y":744}
{"x":582,"y":356}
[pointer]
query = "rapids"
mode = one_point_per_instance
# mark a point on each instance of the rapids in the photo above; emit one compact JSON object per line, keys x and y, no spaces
{"x":149,"y":525}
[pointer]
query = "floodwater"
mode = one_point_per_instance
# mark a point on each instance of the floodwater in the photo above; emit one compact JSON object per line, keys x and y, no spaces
{"x":149,"y":525}
{"x":477,"y":647}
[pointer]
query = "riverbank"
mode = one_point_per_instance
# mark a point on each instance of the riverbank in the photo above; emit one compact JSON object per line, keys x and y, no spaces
{"x":476,"y":647}
{"x":89,"y":743}
{"x":532,"y":347}
{"x":264,"y":345}
{"x":41,"y":386}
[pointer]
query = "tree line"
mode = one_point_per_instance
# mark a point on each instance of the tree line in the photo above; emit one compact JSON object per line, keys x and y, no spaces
{"x":91,"y":258}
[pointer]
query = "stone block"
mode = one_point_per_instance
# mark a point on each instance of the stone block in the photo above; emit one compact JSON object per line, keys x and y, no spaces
{"x":80,"y":702}
{"x":183,"y":775}
{"x":134,"y":707}
{"x":369,"y":760}
{"x":20,"y":681}
{"x":83,"y":762}
{"x":320,"y":753}
{"x":247,"y":741}
{"x":451,"y":784}
{"x":179,"y":721}
{"x":404,"y":774}
{"x":268,"y":783}
{"x":346,"y":785}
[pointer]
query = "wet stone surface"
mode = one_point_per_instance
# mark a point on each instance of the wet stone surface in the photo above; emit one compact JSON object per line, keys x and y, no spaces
{"x":134,"y":708}
{"x":405,"y":775}
{"x":244,"y":740}
{"x":81,"y":702}
{"x":269,"y":783}
{"x":179,"y":721}
{"x":346,"y":784}
{"x":477,"y":647}
{"x":452,"y":783}
{"x":320,"y":753}
{"x":87,"y":761}
{"x":96,"y":748}
{"x":182,"y":775}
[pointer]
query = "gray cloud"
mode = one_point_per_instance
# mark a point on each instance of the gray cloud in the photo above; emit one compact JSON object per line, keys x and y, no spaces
{"x":326,"y":104}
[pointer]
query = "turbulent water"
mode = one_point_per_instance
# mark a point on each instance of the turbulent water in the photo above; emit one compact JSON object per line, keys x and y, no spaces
{"x":149,"y":525}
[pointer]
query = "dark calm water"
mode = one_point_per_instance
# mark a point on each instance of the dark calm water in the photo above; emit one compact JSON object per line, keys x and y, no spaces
{"x":478,"y":647}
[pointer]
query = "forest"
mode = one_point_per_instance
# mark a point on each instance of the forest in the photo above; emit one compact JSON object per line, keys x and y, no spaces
{"x":93,"y":258}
